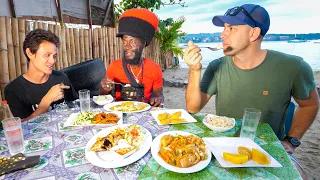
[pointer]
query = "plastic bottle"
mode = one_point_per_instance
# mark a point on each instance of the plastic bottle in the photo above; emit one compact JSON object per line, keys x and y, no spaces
{"x":5,"y":112}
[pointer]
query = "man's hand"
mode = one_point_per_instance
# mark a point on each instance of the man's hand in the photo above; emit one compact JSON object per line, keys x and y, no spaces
{"x":287,"y":146}
{"x":55,"y":93}
{"x":156,"y":101}
{"x":106,"y":85}
{"x":192,"y":56}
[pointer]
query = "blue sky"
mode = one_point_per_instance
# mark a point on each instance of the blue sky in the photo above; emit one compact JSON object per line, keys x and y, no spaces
{"x":287,"y":16}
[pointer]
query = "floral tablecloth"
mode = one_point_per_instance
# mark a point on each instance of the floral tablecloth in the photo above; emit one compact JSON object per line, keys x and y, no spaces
{"x":63,"y":157}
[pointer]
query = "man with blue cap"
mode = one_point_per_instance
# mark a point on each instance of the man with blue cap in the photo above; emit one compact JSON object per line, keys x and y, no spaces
{"x":251,"y":77}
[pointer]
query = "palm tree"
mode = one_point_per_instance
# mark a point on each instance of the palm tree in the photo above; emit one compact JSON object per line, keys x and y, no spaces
{"x":168,"y":35}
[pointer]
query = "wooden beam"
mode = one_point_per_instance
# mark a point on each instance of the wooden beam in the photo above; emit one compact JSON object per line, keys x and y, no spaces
{"x":59,"y":13}
{"x":90,"y":25}
{"x":89,"y":14}
{"x":105,"y":20}
{"x":13,"y":10}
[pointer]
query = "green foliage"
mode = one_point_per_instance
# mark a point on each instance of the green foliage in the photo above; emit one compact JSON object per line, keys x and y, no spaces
{"x":169,"y":33}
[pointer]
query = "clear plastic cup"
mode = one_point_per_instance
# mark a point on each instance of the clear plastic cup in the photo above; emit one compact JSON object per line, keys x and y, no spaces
{"x":14,"y":135}
{"x":84,"y":98}
{"x":250,"y":123}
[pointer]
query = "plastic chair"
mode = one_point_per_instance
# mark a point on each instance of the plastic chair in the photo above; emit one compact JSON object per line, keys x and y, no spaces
{"x":289,"y":117}
{"x":86,"y":75}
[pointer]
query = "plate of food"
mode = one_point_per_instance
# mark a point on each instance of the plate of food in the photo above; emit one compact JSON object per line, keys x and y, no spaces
{"x":218,"y":123}
{"x":233,"y":152}
{"x":127,"y":106}
{"x":180,"y":152}
{"x":172,"y":116}
{"x":91,"y":119}
{"x":102,"y":99}
{"x":118,"y":146}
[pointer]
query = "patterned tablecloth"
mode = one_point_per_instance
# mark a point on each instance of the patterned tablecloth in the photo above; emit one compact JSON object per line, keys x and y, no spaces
{"x":63,"y":157}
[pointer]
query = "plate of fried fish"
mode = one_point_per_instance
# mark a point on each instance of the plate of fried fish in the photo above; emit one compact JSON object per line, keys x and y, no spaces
{"x":118,"y":146}
{"x":180,"y":152}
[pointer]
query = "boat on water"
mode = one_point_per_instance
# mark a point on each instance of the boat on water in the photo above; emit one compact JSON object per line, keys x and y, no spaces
{"x":317,"y":41}
{"x":297,"y":41}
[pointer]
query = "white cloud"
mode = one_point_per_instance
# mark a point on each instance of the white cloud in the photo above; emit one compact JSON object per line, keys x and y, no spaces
{"x":287,"y":16}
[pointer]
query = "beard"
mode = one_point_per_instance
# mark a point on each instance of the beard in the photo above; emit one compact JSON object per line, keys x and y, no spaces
{"x":132,"y":61}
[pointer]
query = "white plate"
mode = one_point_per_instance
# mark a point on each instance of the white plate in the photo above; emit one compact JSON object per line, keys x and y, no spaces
{"x":115,"y":160}
{"x":108,"y":106}
{"x":184,"y":114}
{"x":218,"y":145}
{"x":73,"y":117}
{"x":216,"y":128}
{"x":103,"y":102}
{"x":156,"y":147}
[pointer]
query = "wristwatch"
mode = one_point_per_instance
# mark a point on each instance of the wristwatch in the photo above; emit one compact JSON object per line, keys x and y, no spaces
{"x":295,"y":142}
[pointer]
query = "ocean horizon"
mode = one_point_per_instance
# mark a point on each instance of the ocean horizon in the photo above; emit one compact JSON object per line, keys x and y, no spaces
{"x":309,"y":51}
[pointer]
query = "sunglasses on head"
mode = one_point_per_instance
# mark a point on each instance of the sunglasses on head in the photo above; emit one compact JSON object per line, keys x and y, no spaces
{"x":234,"y":11}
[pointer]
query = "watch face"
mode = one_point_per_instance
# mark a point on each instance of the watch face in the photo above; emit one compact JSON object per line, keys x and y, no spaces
{"x":294,"y":141}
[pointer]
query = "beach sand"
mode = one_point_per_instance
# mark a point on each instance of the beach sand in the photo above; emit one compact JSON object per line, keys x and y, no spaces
{"x":308,"y":153}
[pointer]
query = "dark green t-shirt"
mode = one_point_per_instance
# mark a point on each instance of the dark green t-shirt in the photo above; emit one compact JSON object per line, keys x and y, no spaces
{"x":267,"y":87}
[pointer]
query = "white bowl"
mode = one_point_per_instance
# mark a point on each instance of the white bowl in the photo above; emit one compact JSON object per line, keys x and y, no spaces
{"x":216,"y":128}
{"x":102,"y":102}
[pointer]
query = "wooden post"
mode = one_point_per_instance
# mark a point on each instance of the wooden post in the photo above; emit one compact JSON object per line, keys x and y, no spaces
{"x":81,"y":45}
{"x":2,"y":86}
{"x":95,"y":43}
{"x":116,"y":42}
{"x":44,"y":26}
{"x":77,"y":45}
{"x":50,"y":28}
{"x":22,"y":35}
{"x":86,"y":44}
{"x":107,"y":48}
{"x":100,"y":43}
{"x":4,"y":71}
{"x":15,"y":37}
{"x":28,"y":26}
{"x":72,"y":47}
{"x":104,"y":45}
{"x":60,"y":48}
{"x":63,"y":47}
{"x":56,"y":31}
{"x":11,"y":62}
{"x":68,"y":46}
{"x":111,"y":36}
{"x":90,"y":43}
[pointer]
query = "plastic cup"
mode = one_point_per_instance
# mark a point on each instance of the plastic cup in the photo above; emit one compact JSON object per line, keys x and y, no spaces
{"x":250,"y":123}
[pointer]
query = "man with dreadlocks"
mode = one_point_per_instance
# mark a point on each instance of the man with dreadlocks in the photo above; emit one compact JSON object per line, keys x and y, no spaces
{"x":133,"y":77}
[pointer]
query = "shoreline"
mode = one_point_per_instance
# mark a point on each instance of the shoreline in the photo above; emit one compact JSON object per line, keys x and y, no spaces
{"x":308,"y":154}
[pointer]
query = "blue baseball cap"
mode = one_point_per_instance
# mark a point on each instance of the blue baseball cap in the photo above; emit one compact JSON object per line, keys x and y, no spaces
{"x":250,"y":14}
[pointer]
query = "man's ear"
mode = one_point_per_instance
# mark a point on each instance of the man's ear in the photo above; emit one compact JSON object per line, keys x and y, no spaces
{"x":29,"y":53}
{"x":255,"y":34}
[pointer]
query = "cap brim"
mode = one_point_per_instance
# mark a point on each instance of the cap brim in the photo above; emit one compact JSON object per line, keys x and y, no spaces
{"x":232,"y":20}
{"x":119,"y":35}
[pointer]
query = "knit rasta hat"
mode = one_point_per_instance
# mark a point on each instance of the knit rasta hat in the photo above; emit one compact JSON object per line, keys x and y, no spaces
{"x":138,"y":22}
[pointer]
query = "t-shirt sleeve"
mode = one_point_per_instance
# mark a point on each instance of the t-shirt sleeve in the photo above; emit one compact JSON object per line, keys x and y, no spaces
{"x":208,"y":82}
{"x":110,"y":73}
{"x":158,"y":81}
{"x":16,"y":104}
{"x":304,"y":82}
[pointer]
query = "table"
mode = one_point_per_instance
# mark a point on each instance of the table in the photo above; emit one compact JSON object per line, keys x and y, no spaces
{"x":66,"y":160}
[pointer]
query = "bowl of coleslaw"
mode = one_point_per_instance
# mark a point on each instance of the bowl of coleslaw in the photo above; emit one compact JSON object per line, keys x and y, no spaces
{"x":218,"y":123}
{"x":102,"y":99}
